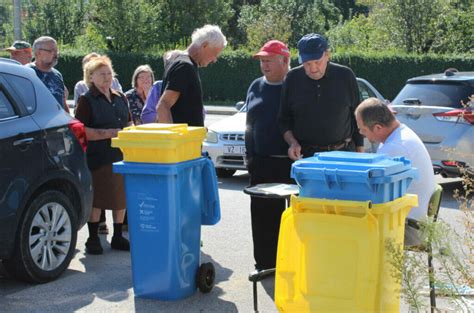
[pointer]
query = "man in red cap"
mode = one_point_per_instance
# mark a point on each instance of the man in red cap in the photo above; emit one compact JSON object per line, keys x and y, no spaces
{"x":266,"y":150}
{"x":20,"y":51}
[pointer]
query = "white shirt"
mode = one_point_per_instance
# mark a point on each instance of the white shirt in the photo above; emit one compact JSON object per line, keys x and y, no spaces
{"x":404,"y":142}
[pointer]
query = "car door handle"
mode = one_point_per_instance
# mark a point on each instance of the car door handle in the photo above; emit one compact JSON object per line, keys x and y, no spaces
{"x":22,"y":142}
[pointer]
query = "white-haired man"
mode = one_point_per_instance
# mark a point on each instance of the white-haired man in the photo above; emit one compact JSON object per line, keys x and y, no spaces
{"x":45,"y":50}
{"x":181,"y":100}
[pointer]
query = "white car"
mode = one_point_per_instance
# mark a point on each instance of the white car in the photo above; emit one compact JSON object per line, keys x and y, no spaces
{"x":225,"y":139}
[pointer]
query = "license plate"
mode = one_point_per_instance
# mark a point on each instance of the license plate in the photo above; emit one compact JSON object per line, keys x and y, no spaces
{"x":234,"y":149}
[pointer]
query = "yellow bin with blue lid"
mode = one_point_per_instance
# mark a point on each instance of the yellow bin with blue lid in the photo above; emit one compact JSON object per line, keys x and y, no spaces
{"x":160,"y":143}
{"x":333,"y":255}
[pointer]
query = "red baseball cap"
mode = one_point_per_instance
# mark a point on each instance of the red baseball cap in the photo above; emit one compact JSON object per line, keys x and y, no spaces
{"x":273,"y":47}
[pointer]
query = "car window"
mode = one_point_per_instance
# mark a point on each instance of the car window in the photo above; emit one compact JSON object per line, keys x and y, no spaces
{"x":6,"y":108}
{"x":443,"y":95}
{"x":365,"y":92}
{"x":24,"y":90}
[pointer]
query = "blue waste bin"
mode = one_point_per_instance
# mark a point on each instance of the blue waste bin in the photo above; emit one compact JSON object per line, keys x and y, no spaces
{"x":342,"y":175}
{"x":166,"y":205}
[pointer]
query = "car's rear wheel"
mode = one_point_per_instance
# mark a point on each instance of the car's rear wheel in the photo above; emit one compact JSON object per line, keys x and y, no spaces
{"x":224,"y":172}
{"x":46,"y":239}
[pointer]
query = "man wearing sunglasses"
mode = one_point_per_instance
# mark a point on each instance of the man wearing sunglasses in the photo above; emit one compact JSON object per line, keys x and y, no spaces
{"x":45,"y":50}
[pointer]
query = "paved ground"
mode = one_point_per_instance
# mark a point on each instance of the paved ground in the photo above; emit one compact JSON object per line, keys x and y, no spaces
{"x":104,"y":283}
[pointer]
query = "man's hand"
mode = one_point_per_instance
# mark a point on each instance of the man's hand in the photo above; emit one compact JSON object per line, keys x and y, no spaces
{"x":294,"y":151}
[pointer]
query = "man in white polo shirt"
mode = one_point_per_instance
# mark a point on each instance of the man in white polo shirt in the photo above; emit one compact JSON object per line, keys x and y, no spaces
{"x":378,"y":124}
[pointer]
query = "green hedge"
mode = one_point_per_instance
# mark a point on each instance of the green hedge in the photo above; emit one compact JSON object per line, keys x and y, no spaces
{"x":229,"y":78}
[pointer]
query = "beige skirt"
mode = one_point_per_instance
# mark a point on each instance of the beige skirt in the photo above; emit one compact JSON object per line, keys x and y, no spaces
{"x":109,"y":191}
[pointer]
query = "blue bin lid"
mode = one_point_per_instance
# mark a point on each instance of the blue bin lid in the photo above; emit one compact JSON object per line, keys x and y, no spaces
{"x":165,"y":169}
{"x":368,"y":164}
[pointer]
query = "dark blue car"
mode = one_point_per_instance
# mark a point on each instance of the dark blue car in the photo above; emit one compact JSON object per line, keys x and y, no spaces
{"x":45,"y":185}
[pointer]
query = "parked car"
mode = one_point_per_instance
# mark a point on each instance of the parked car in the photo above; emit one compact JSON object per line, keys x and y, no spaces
{"x":439,"y":109}
{"x":225,"y":139}
{"x":45,"y":185}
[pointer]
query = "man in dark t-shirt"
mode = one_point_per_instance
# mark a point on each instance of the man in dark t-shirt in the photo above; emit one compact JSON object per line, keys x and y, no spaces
{"x":181,"y":100}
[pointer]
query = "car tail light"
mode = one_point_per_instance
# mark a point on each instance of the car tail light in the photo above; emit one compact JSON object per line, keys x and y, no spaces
{"x":453,"y":163}
{"x":80,"y":132}
{"x":458,"y":115}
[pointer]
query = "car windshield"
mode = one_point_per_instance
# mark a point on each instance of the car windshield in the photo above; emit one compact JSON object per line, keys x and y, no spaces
{"x":441,"y":95}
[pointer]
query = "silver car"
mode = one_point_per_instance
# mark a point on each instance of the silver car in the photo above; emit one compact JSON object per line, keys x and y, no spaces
{"x":439,"y":109}
{"x":225,"y":139}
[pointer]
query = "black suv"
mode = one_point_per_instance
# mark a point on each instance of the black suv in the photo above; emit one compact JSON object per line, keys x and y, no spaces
{"x":439,"y":109}
{"x":45,"y":185}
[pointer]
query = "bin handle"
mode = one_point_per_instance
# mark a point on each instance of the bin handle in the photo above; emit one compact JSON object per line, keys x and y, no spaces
{"x":210,"y":213}
{"x":411,"y":173}
{"x":325,"y":171}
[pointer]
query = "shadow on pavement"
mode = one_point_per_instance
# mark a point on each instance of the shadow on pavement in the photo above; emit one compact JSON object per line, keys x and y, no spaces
{"x":62,"y":293}
{"x":200,"y":302}
{"x":108,"y":276}
{"x":236,"y":182}
{"x":268,"y":285}
{"x":449,"y":189}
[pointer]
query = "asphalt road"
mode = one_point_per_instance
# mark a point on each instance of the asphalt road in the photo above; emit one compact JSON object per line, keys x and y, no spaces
{"x":104,"y":283}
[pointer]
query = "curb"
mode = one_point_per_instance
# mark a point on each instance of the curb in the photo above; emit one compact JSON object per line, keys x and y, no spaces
{"x":210,"y":109}
{"x":220,"y":110}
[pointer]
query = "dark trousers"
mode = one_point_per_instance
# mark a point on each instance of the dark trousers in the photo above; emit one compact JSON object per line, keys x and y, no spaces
{"x":266,"y":213}
{"x":309,"y":151}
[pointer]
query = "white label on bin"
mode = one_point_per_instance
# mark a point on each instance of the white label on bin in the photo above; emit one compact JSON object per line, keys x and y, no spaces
{"x":147,"y":213}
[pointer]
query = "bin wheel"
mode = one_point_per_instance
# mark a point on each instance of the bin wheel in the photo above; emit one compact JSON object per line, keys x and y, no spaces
{"x":205,"y":277}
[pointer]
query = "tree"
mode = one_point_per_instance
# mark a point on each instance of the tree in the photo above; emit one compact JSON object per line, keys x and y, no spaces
{"x":6,"y":30}
{"x":180,"y":18}
{"x":286,"y":20}
{"x":60,"y":19}
{"x":125,"y":25}
{"x":414,"y":26}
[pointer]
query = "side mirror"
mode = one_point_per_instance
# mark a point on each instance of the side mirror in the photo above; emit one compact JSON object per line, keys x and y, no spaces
{"x":239,"y":105}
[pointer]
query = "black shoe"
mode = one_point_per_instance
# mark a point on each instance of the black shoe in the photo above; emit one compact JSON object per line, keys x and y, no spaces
{"x":120,"y":243}
{"x":93,"y":246}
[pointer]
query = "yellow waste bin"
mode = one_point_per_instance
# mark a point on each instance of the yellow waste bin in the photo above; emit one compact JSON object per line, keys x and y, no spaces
{"x":160,"y":143}
{"x":332,"y":255}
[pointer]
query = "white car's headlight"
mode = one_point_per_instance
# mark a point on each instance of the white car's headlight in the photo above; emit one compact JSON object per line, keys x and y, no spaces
{"x":211,"y":137}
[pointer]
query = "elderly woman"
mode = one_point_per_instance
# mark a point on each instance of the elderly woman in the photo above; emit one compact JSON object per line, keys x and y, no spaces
{"x":142,"y":80}
{"x":104,"y":113}
{"x":81,"y":87}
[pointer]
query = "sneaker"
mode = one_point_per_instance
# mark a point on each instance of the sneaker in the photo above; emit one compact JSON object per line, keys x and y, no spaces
{"x":120,"y":243}
{"x":93,"y":246}
{"x":103,"y":230}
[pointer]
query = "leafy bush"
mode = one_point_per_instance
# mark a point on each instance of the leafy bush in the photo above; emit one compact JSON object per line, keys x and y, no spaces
{"x":230,"y":76}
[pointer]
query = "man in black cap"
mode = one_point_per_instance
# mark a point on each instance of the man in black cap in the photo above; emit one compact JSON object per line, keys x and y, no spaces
{"x":318,"y":102}
{"x":20,"y":51}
